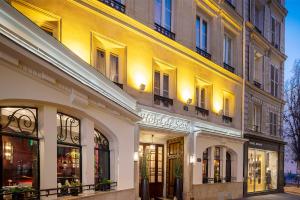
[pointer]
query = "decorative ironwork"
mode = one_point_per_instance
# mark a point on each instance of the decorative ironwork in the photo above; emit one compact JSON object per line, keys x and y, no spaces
{"x":19,"y":120}
{"x":100,"y":140}
{"x":258,"y":30}
{"x":204,"y":112}
{"x":68,"y":129}
{"x":203,"y":53}
{"x":228,"y":67}
{"x":164,"y":31}
{"x":226,"y":119}
{"x":120,"y":85}
{"x":115,"y":4}
{"x":165,"y":100}
{"x":230,"y":4}
{"x":257,"y":84}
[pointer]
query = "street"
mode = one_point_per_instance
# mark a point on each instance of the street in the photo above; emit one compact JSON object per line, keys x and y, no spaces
{"x":279,"y":196}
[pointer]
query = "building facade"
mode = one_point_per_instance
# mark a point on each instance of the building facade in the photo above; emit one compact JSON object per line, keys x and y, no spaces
{"x":264,"y":70}
{"x":97,"y":85}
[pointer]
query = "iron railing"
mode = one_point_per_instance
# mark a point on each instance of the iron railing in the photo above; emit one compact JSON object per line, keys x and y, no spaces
{"x":115,"y":4}
{"x":226,"y":119}
{"x":203,"y":53}
{"x":230,"y":4}
{"x":165,"y":100}
{"x":204,"y":112}
{"x":228,"y":67}
{"x":257,"y":84}
{"x":164,"y":31}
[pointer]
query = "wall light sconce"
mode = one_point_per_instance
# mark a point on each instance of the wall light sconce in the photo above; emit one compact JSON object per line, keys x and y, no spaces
{"x":193,"y":159}
{"x":142,"y":87}
{"x":8,"y":151}
{"x":186,"y":106}
{"x":136,"y":156}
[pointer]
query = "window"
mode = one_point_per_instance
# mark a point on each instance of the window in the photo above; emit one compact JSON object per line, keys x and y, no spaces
{"x":19,"y":145}
{"x":226,"y":108}
{"x":274,"y":81}
{"x":68,"y":149}
{"x":217,"y":165}
{"x":101,"y":61}
{"x":201,"y":34}
{"x":161,"y":89}
{"x":163,"y":13}
{"x":102,"y":157}
{"x":258,"y":65}
{"x":227,"y":50}
{"x":114,"y":68}
{"x":275,"y":32}
{"x":273,"y":123}
{"x":201,"y":97}
{"x":257,"y":117}
{"x":157,"y":83}
{"x":273,"y":24}
{"x":205,"y":167}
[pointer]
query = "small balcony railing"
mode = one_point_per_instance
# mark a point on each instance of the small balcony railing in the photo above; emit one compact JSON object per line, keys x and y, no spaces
{"x":230,"y":4}
{"x":164,"y":31}
{"x":165,"y":100}
{"x":120,"y":85}
{"x":203,"y":53}
{"x":226,"y":119}
{"x":115,"y":4}
{"x":204,"y":112}
{"x":258,"y":30}
{"x":228,"y":67}
{"x":257,"y":84}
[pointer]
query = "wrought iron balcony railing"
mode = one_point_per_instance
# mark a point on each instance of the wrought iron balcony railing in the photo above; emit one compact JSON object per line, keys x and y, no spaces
{"x":165,"y":100}
{"x":228,"y":67}
{"x":119,"y":84}
{"x":226,"y":119}
{"x":204,"y":112}
{"x":257,"y":84}
{"x":230,"y":4}
{"x":164,"y":31}
{"x":203,"y":53}
{"x":115,"y":4}
{"x":258,"y":30}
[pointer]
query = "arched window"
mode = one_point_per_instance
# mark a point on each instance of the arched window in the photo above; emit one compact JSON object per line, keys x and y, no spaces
{"x":19,"y":147}
{"x":102,"y":157}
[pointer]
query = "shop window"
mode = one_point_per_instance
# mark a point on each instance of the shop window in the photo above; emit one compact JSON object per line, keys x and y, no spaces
{"x":262,"y":170}
{"x":68,"y":150}
{"x":102,"y":157}
{"x":217,"y":166}
{"x":205,"y":167}
{"x":19,"y":147}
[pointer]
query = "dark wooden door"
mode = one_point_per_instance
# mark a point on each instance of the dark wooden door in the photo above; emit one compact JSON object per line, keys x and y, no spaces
{"x":228,"y":167}
{"x":175,"y":151}
{"x":155,"y":162}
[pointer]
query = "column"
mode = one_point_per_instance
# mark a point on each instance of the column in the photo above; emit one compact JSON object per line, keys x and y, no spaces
{"x":136,"y":163}
{"x":197,"y":168}
{"x":223,"y":164}
{"x":88,"y":145}
{"x":48,"y":149}
{"x":211,"y":169}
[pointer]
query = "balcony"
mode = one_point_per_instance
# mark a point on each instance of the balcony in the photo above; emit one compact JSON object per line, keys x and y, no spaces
{"x":226,"y":119}
{"x":230,"y":4}
{"x":257,"y":84}
{"x":202,"y":111}
{"x":258,"y":30}
{"x":203,"y":53}
{"x":228,"y":67}
{"x":115,"y":4}
{"x":164,"y":31}
{"x":165,"y":100}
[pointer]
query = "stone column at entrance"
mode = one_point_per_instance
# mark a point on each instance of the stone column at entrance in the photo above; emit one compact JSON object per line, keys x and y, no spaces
{"x":211,"y":169}
{"x":88,"y":145}
{"x":48,"y":148}
{"x":223,"y":164}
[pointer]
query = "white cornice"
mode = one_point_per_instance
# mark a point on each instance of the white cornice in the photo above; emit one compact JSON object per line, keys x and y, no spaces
{"x":25,"y":33}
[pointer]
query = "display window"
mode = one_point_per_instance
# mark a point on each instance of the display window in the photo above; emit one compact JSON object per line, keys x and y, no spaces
{"x":19,"y":147}
{"x":217,"y":165}
{"x":262,"y":170}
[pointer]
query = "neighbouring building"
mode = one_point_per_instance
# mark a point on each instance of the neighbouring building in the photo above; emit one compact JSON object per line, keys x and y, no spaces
{"x":264,"y":102}
{"x":88,"y":87}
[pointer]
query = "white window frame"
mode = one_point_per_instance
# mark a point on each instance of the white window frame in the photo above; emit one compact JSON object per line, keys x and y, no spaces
{"x":162,"y":91}
{"x":202,"y":18}
{"x":226,"y":110}
{"x":163,"y":16}
{"x":225,"y":59}
{"x":199,"y":98}
{"x":274,"y":83}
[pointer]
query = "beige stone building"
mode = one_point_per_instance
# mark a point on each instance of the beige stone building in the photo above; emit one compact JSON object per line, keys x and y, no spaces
{"x":107,"y":82}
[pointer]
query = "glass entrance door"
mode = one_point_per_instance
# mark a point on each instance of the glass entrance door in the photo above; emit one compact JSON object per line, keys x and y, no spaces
{"x":155,"y":166}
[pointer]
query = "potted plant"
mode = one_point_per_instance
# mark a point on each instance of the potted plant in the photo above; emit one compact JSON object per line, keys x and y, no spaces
{"x":105,"y":184}
{"x":178,"y":183}
{"x":145,"y":195}
{"x":64,"y":190}
{"x":20,"y":193}
{"x":74,"y":189}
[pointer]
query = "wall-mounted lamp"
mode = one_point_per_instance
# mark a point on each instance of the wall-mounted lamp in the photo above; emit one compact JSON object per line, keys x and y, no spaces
{"x":8,"y":151}
{"x":193,"y":159}
{"x":186,"y":106}
{"x":142,"y":87}
{"x":136,"y":156}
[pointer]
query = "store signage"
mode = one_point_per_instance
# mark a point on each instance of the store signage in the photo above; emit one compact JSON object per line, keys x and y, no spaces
{"x":263,"y":145}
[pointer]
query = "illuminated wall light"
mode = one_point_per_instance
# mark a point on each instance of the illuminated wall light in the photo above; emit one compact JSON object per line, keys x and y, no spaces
{"x":142,"y":87}
{"x":8,"y":151}
{"x":136,"y":156}
{"x":140,"y":81}
{"x":217,"y":107}
{"x":188,"y":102}
{"x":193,"y":159}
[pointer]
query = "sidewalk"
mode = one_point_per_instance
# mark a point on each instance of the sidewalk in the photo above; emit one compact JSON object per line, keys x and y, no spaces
{"x":292,"y":189}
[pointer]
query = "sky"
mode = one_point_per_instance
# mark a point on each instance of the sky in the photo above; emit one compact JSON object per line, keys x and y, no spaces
{"x":292,"y":35}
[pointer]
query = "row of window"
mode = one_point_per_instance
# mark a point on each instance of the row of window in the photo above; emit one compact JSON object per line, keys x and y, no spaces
{"x":20,"y":143}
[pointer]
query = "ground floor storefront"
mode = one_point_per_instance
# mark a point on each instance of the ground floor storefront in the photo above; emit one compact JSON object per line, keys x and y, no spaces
{"x":264,"y":162}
